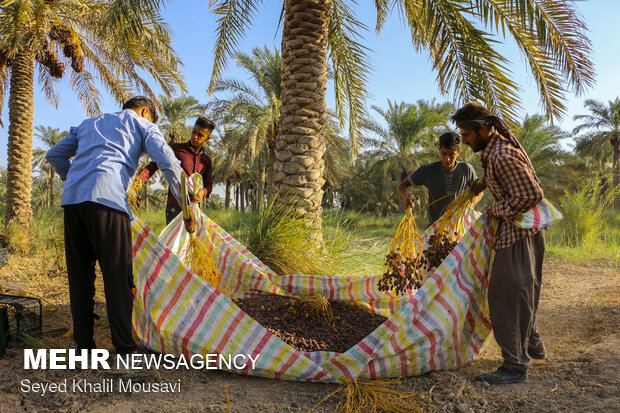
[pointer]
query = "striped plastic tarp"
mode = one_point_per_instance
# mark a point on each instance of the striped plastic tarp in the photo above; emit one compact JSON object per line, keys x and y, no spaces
{"x":443,"y":325}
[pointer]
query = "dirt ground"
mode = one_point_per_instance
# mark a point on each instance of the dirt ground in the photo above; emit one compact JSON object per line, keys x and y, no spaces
{"x":579,"y":320}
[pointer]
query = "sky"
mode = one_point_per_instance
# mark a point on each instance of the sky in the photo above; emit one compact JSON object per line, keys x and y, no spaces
{"x":398,"y":72}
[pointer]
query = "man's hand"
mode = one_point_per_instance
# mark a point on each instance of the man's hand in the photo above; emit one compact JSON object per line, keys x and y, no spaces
{"x":190,"y":224}
{"x":407,"y":202}
{"x":197,"y":197}
{"x":476,"y":185}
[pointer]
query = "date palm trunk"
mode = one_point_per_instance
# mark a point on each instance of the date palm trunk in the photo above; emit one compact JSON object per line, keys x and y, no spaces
{"x":227,"y":198}
{"x":260,"y":192}
{"x":300,"y":142}
{"x":50,"y":188}
{"x":19,"y":161}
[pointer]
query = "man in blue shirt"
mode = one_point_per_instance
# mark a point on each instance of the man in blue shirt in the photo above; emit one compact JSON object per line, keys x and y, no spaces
{"x":105,"y":152}
{"x":443,"y":179}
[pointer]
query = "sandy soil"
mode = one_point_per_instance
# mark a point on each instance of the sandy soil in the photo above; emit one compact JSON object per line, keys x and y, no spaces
{"x":579,"y":319}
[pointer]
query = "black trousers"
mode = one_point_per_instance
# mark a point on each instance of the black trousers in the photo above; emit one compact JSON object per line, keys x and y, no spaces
{"x":172,"y":211}
{"x":94,"y":232}
{"x":514,"y":291}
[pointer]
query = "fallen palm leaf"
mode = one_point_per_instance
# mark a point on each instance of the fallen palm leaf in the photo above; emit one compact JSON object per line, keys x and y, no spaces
{"x":371,"y":396}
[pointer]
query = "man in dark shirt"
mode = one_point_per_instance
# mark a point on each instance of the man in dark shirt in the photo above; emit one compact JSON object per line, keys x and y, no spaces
{"x":443,"y":179}
{"x":193,"y":160}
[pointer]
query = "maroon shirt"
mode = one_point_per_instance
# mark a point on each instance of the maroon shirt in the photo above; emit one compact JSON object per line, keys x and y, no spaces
{"x":191,"y":163}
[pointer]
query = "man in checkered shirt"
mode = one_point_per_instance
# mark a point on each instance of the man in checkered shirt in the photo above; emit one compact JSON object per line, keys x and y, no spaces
{"x":516,"y":275}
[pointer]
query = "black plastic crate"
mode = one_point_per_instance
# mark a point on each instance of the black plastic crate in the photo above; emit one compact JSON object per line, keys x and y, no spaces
{"x":23,"y":315}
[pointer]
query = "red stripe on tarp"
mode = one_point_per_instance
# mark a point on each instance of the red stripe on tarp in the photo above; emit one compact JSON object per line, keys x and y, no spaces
{"x":343,"y":369}
{"x":229,"y":330}
{"x":226,"y":254}
{"x":203,"y":310}
{"x":311,"y":284}
{"x":372,"y":372}
{"x":291,"y":360}
{"x":350,"y":290}
{"x":371,"y":299}
{"x":137,"y":243}
{"x":404,"y":363}
{"x":173,"y":299}
{"x":456,"y":273}
{"x":319,"y":376}
{"x":330,"y":284}
{"x":483,"y":319}
{"x":155,"y":274}
{"x":432,"y":341}
{"x":367,"y":349}
{"x":263,"y":341}
{"x":455,"y":337}
{"x":536,"y":217}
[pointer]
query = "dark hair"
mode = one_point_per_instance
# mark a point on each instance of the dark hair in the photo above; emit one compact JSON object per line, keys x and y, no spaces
{"x":450,"y":140}
{"x":472,"y":111}
{"x":138,"y":102}
{"x":205,"y":123}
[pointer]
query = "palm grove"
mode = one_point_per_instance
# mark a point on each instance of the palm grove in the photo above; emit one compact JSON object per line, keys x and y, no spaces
{"x":276,"y":136}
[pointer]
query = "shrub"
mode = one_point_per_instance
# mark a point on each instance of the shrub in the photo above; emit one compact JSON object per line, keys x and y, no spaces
{"x":287,"y":244}
{"x":584,"y":213}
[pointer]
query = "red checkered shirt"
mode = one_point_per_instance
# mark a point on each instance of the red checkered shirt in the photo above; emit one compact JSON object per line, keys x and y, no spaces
{"x":510,"y":176}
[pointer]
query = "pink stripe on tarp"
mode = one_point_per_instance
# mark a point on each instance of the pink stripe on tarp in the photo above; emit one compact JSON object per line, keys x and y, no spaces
{"x":229,"y":330}
{"x":455,"y":336}
{"x":390,"y":325}
{"x":198,"y":320}
{"x":536,"y":212}
{"x":173,"y":300}
{"x":366,"y":348}
{"x":311,"y":285}
{"x":343,"y":369}
{"x":225,"y":260}
{"x":460,"y":283}
{"x":404,"y":363}
{"x":157,"y":269}
{"x":431,"y":339}
{"x":330,"y":284}
{"x":372,"y":372}
{"x":350,"y":291}
{"x":371,"y":301}
{"x":263,"y":341}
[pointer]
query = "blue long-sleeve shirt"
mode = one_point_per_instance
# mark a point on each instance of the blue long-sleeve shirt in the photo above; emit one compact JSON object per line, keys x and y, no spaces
{"x":107,"y":149}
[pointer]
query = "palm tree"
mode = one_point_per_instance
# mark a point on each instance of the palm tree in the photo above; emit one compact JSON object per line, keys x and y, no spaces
{"x":254,"y":110}
{"x":602,"y":126}
{"x":410,"y":138}
{"x":541,"y":142}
{"x":50,"y":137}
{"x":111,"y":41}
{"x":456,"y":35}
{"x":175,"y":114}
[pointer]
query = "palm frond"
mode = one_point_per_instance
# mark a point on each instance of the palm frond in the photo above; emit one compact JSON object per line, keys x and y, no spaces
{"x":234,"y":19}
{"x":350,"y":63}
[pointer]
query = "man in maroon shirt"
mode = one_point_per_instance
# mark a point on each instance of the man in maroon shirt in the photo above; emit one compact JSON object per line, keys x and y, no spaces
{"x":516,"y":276}
{"x":193,"y":160}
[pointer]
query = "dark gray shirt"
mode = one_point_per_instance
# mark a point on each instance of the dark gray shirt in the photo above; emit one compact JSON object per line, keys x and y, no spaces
{"x":439,"y":184}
